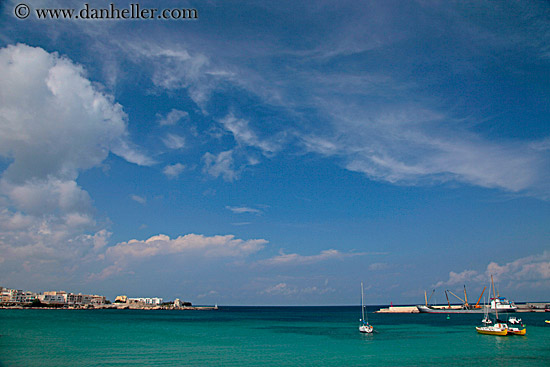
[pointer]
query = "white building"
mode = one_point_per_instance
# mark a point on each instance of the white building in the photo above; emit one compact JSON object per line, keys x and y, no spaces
{"x":146,"y":301}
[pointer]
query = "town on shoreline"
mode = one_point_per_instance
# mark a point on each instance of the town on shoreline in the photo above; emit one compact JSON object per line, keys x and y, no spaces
{"x":19,"y":299}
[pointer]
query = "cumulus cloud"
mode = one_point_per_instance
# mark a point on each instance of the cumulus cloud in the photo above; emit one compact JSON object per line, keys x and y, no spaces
{"x":213,"y":246}
{"x":526,"y":272}
{"x":526,"y":269}
{"x":461,"y":278}
{"x":54,"y":124}
{"x":121,"y":256}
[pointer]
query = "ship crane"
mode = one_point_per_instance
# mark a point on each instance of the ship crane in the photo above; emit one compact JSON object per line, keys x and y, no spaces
{"x":465,"y":300}
{"x":428,"y":299}
{"x":461,"y":300}
{"x":477,"y":304}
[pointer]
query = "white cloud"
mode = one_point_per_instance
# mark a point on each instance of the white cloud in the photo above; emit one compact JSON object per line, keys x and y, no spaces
{"x":54,"y":124}
{"x":243,"y":209}
{"x":415,"y":145}
{"x":530,"y":272}
{"x":174,"y":170}
{"x":173,"y":117}
{"x":41,"y":196}
{"x":52,"y":120}
{"x":174,"y":141}
{"x":220,"y":165}
{"x":461,"y":278}
{"x":281,"y":289}
{"x":526,"y":269}
{"x":124,"y":255}
{"x":139,"y":199}
{"x":214,"y":246}
{"x":244,"y":135}
{"x":297,"y":259}
{"x":286,"y":290}
{"x":174,"y":67}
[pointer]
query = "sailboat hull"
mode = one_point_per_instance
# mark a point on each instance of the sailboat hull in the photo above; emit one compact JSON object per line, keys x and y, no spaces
{"x":491,"y":331}
{"x":517,"y":331}
{"x":428,"y":309}
{"x":366,"y":329}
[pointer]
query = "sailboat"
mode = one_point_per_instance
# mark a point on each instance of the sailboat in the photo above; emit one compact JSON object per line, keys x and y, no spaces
{"x":364,"y":327}
{"x":516,"y":327}
{"x":498,"y":328}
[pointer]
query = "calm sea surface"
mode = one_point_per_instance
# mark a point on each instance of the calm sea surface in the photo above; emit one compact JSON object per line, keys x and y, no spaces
{"x":266,"y":336}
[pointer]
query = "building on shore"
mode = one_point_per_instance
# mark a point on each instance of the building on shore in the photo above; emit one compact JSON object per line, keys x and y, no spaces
{"x":57,"y":298}
{"x":16,"y":296}
{"x":155,"y":301}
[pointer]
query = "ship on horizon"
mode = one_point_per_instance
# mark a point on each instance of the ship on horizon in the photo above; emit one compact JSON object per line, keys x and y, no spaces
{"x":501,"y":304}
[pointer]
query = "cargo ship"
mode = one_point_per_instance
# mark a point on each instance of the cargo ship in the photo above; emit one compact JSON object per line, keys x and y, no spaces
{"x":501,"y":304}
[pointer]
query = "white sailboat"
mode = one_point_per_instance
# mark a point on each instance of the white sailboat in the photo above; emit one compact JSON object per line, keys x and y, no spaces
{"x":364,"y":327}
{"x":498,"y":328}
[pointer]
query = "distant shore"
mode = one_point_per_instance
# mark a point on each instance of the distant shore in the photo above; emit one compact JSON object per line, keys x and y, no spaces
{"x":114,"y":306}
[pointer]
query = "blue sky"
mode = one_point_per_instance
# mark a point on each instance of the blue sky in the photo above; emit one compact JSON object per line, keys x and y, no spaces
{"x":278,"y":153}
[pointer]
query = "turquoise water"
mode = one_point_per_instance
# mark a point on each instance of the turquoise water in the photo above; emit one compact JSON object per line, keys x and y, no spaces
{"x":267,"y":336}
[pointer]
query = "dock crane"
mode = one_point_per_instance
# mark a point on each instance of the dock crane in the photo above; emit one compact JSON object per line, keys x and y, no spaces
{"x":463,"y":302}
{"x":428,"y":299}
{"x":477,"y":304}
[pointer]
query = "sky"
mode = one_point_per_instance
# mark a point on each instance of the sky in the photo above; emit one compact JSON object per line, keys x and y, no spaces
{"x":278,"y":153}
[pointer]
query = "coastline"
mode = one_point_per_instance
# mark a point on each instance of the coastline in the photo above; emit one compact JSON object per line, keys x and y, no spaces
{"x":113,"y":307}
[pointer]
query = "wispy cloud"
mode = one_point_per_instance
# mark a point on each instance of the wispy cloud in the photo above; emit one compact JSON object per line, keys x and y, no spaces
{"x":297,"y":259}
{"x":284,"y":289}
{"x":172,"y":118}
{"x":174,"y":141}
{"x":244,"y":135}
{"x":139,"y":199}
{"x":243,"y":209}
{"x":220,"y":165}
{"x":173,"y":170}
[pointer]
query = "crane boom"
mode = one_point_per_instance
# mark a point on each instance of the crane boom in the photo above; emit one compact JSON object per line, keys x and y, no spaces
{"x":483,"y":291}
{"x":433,"y":291}
{"x":455,"y":296}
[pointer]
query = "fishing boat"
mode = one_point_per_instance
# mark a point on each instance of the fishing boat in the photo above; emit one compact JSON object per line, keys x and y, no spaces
{"x":515,"y":326}
{"x":364,"y":326}
{"x":499,"y":328}
{"x":503,"y":305}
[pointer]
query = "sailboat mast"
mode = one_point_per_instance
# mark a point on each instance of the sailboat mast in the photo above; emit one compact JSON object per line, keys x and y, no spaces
{"x":362,"y":307}
{"x":494,"y":297}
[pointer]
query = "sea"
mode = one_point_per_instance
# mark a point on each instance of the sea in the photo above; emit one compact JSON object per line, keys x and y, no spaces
{"x":261,"y":336}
